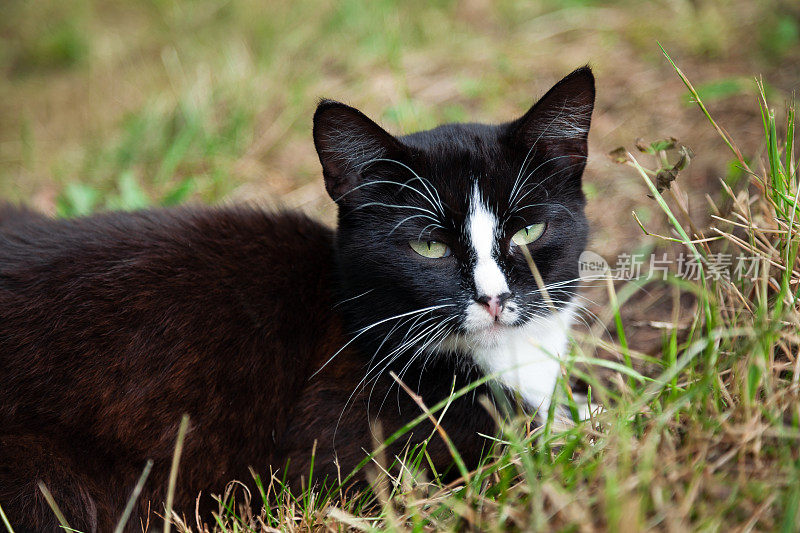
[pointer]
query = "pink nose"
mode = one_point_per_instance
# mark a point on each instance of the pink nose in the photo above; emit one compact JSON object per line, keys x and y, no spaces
{"x":494,"y":305}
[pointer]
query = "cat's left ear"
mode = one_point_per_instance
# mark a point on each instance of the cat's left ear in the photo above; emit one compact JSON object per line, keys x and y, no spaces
{"x":347,"y":142}
{"x":558,"y":124}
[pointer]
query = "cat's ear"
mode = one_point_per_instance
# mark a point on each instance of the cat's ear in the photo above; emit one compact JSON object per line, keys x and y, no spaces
{"x":558,"y":124}
{"x":347,"y":141}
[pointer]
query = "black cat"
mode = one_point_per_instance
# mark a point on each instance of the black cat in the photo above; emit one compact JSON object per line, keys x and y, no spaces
{"x":272,"y":331}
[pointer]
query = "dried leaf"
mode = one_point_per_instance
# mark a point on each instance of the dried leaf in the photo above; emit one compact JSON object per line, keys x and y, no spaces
{"x":619,"y":155}
{"x":641,"y":146}
{"x":686,"y":157}
{"x":664,"y":179}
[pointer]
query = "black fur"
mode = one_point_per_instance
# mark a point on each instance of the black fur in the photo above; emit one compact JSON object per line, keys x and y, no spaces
{"x":112,"y":326}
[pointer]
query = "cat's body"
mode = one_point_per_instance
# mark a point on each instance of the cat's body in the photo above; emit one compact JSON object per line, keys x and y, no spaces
{"x":272,"y":331}
{"x":109,"y":371}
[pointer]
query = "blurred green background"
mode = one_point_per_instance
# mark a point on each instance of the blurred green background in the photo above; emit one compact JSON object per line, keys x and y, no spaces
{"x":113,"y":104}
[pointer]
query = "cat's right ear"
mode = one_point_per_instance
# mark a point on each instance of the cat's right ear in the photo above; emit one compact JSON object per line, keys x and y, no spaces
{"x":347,"y":141}
{"x":558,"y":124}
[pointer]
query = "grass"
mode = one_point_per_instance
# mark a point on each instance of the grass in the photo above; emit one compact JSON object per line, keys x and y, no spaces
{"x":114,"y":105}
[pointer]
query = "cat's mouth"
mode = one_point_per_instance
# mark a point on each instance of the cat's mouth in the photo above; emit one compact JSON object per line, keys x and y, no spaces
{"x":468,"y":340}
{"x":478,"y":321}
{"x":480,"y":330}
{"x":493,"y":334}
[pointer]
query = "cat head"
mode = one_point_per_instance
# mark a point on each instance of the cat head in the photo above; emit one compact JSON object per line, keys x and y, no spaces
{"x":432,"y":225}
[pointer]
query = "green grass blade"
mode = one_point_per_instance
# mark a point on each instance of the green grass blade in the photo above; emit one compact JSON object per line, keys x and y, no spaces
{"x":173,"y":472}
{"x":5,"y":520}
{"x":53,"y":505}
{"x":137,"y":489}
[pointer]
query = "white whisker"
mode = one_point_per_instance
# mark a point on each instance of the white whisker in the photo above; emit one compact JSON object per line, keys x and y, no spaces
{"x":367,"y":328}
{"x":351,"y":299}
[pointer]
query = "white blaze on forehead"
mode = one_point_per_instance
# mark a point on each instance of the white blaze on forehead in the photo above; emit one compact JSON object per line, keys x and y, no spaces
{"x":482,"y":231}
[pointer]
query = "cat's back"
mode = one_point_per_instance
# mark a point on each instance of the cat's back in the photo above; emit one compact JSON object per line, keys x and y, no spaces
{"x":210,"y":236}
{"x":173,"y":249}
{"x":170,"y":299}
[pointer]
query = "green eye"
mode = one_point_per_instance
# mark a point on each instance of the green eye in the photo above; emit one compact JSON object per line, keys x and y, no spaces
{"x":528,"y":234}
{"x":430,"y":249}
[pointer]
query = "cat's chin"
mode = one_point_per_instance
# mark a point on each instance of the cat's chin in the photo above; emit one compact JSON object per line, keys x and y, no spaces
{"x":493,"y":335}
{"x":479,"y":338}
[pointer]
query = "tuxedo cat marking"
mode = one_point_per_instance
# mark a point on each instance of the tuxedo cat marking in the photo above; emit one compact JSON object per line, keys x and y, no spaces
{"x":272,"y":331}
